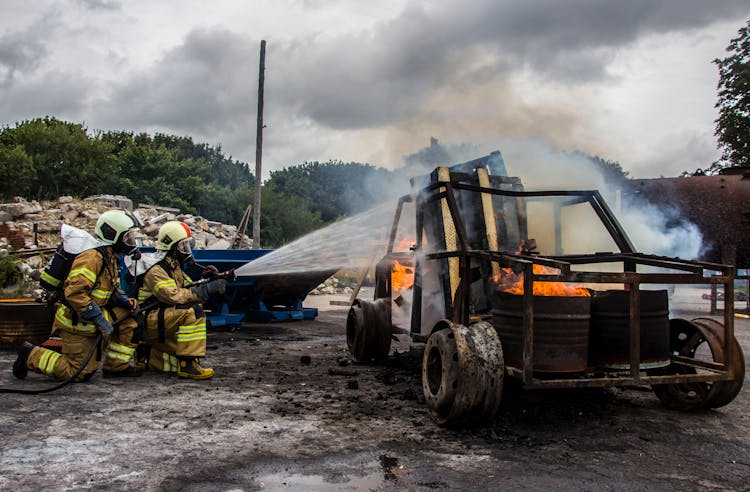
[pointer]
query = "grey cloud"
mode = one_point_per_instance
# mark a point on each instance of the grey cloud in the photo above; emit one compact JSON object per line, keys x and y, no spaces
{"x":55,"y":94}
{"x":398,"y":71}
{"x":100,"y":4}
{"x":377,"y":77}
{"x":20,"y":52}
{"x":207,"y":84}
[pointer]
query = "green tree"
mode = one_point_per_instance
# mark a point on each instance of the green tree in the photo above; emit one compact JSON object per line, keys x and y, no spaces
{"x":65,"y":159}
{"x":17,"y":172}
{"x":173,"y":171}
{"x":733,"y":123}
{"x":611,"y":171}
{"x":284,"y":218}
{"x":336,"y":189}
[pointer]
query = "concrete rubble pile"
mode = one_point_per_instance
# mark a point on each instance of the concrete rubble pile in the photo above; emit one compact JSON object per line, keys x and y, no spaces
{"x":26,"y":226}
{"x":332,"y":285}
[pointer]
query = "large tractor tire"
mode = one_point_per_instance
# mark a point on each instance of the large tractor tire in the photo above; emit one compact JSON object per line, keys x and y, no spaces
{"x":462,"y":373}
{"x":369,"y":330}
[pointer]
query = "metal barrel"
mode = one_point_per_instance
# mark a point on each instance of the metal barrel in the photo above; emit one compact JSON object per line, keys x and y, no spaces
{"x":610,"y":333}
{"x":561,"y":331}
{"x":24,"y":319}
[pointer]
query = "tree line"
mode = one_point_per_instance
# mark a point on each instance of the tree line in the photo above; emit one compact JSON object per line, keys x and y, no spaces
{"x":45,"y":158}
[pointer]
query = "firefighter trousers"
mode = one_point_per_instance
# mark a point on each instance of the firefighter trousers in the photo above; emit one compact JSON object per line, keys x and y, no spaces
{"x":77,"y":340}
{"x":174,"y":332}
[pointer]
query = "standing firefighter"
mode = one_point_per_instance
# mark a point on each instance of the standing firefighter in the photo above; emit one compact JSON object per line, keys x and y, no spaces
{"x":176,"y":330}
{"x":92,"y":301}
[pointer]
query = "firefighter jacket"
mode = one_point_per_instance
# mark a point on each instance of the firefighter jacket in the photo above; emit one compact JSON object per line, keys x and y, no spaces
{"x":177,"y":328}
{"x":166,"y":282}
{"x":93,"y":277}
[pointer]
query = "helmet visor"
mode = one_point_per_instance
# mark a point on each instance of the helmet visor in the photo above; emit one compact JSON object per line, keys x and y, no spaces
{"x":184,"y":246}
{"x":130,"y":237}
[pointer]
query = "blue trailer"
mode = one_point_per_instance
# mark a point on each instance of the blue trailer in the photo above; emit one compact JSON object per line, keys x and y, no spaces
{"x":254,"y":298}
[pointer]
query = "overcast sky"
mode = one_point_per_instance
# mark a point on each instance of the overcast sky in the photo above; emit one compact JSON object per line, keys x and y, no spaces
{"x":631,"y":81}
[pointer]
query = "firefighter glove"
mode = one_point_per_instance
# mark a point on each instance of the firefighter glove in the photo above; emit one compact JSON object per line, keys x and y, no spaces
{"x":93,"y":314}
{"x":204,"y":291}
{"x":122,"y":301}
{"x":210,"y":271}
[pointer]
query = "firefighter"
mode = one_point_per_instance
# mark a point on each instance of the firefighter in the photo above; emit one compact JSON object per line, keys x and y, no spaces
{"x":92,"y":301}
{"x":176,"y":330}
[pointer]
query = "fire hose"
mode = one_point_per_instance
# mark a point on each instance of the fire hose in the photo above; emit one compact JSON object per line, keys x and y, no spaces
{"x":228,"y":275}
{"x":85,"y":360}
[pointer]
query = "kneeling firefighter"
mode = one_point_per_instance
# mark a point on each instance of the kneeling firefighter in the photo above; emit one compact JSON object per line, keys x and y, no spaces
{"x":92,"y":301}
{"x":176,"y":329}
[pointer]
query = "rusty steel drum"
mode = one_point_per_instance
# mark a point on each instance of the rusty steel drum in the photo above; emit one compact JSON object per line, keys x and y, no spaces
{"x":610,"y":334}
{"x":561,"y":331}
{"x":23,"y":319}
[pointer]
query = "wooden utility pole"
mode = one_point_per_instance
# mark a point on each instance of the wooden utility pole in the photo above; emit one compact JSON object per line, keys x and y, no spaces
{"x":259,"y":148}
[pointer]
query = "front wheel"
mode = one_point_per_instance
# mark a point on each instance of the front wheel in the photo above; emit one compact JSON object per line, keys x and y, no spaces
{"x":462,"y":373}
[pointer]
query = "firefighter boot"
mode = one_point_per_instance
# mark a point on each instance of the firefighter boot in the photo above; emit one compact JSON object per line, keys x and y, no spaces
{"x":190,"y":368}
{"x":20,"y":369}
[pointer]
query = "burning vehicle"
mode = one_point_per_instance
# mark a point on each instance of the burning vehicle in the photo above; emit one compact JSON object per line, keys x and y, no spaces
{"x":543,"y":287}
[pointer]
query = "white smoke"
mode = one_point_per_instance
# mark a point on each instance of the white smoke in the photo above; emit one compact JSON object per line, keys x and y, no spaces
{"x":650,"y":229}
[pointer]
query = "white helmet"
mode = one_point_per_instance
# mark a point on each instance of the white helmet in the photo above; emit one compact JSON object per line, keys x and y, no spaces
{"x":175,"y":235}
{"x":118,"y":228}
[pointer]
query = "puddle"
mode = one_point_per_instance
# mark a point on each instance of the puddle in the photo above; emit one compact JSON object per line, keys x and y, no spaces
{"x":283,"y":481}
{"x":390,"y":471}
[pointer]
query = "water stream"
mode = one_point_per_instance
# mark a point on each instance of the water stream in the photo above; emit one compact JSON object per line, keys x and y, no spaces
{"x":353,"y":243}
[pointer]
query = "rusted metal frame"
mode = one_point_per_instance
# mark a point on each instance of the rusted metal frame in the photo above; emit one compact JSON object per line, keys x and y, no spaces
{"x":661,"y":262}
{"x":508,"y":259}
{"x":396,"y":220}
{"x":576,"y":199}
{"x":729,"y":323}
{"x":457,"y":220}
{"x":464,"y":265}
{"x":649,"y":260}
{"x":416,"y":309}
{"x":697,"y":363}
{"x":558,"y":229}
{"x":634,"y":326}
{"x":611,"y":223}
{"x":724,"y":269}
{"x":523,"y":194}
{"x":589,"y":382}
{"x":643,"y":278}
{"x":595,"y":199}
{"x":429,"y":194}
{"x":528,"y":323}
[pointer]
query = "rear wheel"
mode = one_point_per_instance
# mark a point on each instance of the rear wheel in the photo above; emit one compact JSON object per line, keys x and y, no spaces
{"x":701,"y":338}
{"x":368,"y":329}
{"x":724,"y":391}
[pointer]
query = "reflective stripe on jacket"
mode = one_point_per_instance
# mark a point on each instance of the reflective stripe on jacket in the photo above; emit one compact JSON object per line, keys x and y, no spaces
{"x":85,"y":284}
{"x":170,"y":290}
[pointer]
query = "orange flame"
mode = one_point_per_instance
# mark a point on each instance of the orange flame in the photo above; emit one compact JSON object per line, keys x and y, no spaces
{"x":402,"y":276}
{"x":540,"y":288}
{"x":406,"y":244}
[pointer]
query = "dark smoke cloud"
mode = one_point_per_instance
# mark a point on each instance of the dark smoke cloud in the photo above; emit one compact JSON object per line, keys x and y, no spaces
{"x":377,"y":77}
{"x":204,"y":85}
